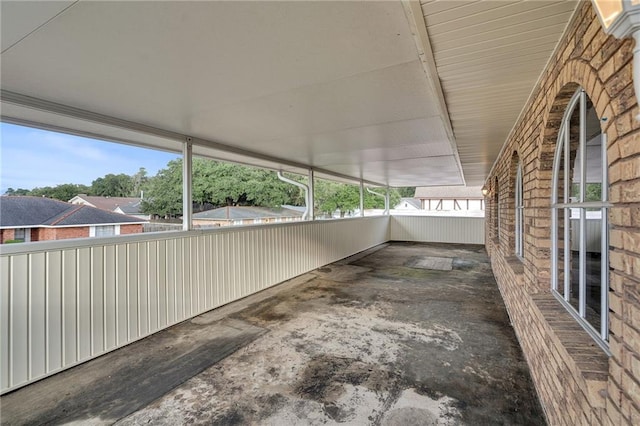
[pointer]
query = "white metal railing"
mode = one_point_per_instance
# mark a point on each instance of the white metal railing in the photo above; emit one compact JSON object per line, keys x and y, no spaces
{"x":64,"y":302}
{"x":444,"y":229}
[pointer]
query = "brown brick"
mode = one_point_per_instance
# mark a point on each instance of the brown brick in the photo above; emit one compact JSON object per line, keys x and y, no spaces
{"x":629,"y":145}
{"x":569,"y":395}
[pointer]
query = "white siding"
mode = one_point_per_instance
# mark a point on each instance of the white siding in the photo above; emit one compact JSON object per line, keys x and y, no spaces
{"x":469,"y":230}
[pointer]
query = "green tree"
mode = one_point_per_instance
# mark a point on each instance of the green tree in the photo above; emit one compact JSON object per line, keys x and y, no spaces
{"x":163,"y":195}
{"x":406,"y":191}
{"x":225,"y":184}
{"x":139,"y":180}
{"x":331,"y":196}
{"x":19,"y":191}
{"x":63,"y":192}
{"x":219,"y":184}
{"x":111,"y":185}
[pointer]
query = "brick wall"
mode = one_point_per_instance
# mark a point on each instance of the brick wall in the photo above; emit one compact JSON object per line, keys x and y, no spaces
{"x":576,"y":381}
{"x":66,"y":233}
{"x":6,"y":235}
{"x":130,"y":229}
{"x":44,"y":234}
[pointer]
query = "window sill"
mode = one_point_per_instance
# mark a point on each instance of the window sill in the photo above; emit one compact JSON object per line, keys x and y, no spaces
{"x":578,"y":350}
{"x":516,"y":265}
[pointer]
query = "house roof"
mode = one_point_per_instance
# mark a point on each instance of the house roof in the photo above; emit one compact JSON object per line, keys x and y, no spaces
{"x":246,"y":212}
{"x":412,"y":201}
{"x":300,"y":209}
{"x":449,"y":192}
{"x":25,"y":211}
{"x":129,"y":205}
{"x":131,"y":208}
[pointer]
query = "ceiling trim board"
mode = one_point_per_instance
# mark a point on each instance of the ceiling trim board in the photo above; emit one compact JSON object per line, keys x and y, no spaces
{"x":418,"y":27}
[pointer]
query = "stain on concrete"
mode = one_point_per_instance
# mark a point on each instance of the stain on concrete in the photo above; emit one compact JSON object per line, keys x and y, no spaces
{"x":371,"y":342}
{"x":430,"y":262}
{"x":341,"y":273}
{"x":121,"y":382}
{"x":324,"y":378}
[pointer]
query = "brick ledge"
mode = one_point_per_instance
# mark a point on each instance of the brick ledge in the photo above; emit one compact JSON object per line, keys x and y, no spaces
{"x":516,"y":265}
{"x":582,"y":355}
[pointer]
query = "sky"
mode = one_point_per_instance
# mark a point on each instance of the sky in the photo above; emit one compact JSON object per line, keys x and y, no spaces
{"x":32,"y":158}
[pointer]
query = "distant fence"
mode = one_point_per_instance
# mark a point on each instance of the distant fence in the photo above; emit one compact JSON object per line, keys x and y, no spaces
{"x":161,"y":227}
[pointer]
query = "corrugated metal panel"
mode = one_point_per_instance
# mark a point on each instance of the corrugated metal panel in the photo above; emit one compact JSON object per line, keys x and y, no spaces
{"x":62,"y":304}
{"x":467,"y":230}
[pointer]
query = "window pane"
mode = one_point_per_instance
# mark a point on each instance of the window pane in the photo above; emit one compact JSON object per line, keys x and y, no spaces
{"x":574,"y":170}
{"x":19,"y":234}
{"x":574,"y":259}
{"x":561,"y":172}
{"x":593,"y":185}
{"x":560,"y":250}
{"x":104,"y":231}
{"x":594,"y":268}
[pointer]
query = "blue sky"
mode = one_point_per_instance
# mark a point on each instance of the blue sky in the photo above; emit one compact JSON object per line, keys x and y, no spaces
{"x":32,"y":158}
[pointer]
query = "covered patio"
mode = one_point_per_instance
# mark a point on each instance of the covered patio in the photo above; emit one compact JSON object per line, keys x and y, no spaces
{"x":534,"y":101}
{"x":401,"y":334}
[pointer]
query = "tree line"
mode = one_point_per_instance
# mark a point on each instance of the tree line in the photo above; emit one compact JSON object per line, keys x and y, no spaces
{"x":110,"y":185}
{"x":216,"y":184}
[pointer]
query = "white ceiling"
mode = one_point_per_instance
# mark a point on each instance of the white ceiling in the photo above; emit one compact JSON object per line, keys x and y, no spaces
{"x":489,"y":55}
{"x":338,"y":86}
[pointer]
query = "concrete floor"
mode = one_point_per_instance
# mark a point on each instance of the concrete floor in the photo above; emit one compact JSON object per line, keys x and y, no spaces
{"x":409,"y":334}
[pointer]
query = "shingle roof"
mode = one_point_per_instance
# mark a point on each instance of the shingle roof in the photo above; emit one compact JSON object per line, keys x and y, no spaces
{"x":131,"y":208}
{"x":412,"y":201}
{"x":449,"y":192}
{"x":111,"y":203}
{"x":25,"y":211}
{"x":245,"y":212}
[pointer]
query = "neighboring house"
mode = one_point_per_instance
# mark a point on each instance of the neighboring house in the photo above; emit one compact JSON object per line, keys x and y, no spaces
{"x":124,"y":205}
{"x":408,"y":204}
{"x":28,"y":219}
{"x":448,"y":198}
{"x":244,"y":215}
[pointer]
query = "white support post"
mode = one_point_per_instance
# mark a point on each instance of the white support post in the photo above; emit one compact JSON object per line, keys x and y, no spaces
{"x":187,"y":203}
{"x":361,"y":198}
{"x":386,"y":202}
{"x":312,"y":213}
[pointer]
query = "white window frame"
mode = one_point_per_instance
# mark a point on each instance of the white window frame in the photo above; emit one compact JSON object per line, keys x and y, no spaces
{"x":564,"y":202}
{"x":519,"y":209}
{"x":27,"y":234}
{"x":93,"y":230}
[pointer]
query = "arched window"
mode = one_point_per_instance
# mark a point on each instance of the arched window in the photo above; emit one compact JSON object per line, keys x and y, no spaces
{"x":579,"y":218}
{"x":519,"y":210}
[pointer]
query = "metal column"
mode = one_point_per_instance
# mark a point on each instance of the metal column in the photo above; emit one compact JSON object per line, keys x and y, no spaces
{"x":187,"y":204}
